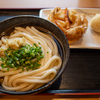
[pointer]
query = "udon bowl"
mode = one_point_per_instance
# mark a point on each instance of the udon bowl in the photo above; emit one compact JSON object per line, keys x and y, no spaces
{"x":8,"y":25}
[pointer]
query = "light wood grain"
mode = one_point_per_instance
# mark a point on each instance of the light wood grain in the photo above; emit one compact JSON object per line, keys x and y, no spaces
{"x":48,"y":3}
{"x":76,"y":99}
{"x":46,"y":97}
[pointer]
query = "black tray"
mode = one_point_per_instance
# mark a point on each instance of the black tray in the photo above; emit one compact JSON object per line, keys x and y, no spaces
{"x":82,"y":74}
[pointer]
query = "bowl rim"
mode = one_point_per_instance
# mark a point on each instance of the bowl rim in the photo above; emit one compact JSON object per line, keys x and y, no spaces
{"x":44,"y":87}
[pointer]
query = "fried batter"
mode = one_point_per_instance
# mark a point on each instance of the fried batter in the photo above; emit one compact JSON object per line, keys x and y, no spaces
{"x":95,"y":23}
{"x":70,"y":22}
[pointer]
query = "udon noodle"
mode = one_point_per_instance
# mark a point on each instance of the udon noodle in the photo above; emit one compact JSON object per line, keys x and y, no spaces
{"x":18,"y":80}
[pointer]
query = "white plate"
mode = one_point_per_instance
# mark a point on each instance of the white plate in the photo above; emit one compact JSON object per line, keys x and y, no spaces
{"x":90,"y":39}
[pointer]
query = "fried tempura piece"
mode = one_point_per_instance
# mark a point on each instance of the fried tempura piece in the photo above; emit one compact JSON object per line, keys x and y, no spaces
{"x":70,"y":22}
{"x":95,"y":23}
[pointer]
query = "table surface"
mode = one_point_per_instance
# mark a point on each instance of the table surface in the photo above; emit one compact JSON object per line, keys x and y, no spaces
{"x":48,"y":3}
{"x":82,"y":72}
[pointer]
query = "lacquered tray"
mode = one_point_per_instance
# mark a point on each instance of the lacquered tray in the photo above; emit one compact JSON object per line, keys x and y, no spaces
{"x":82,"y":75}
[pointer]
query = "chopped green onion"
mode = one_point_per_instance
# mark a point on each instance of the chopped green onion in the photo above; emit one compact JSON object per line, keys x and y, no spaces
{"x":22,"y":57}
{"x":3,"y":71}
{"x":38,"y":42}
{"x":27,"y":69}
{"x":7,"y":69}
{"x":22,"y":69}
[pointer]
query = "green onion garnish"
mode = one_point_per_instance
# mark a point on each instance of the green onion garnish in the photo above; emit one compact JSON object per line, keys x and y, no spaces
{"x":22,"y":57}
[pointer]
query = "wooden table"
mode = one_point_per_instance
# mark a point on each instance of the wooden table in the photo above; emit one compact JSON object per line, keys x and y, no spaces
{"x":78,"y":57}
{"x":48,"y":3}
{"x":47,"y":97}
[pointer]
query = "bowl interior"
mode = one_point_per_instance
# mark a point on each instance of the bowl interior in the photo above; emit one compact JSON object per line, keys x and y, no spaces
{"x":7,"y":26}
